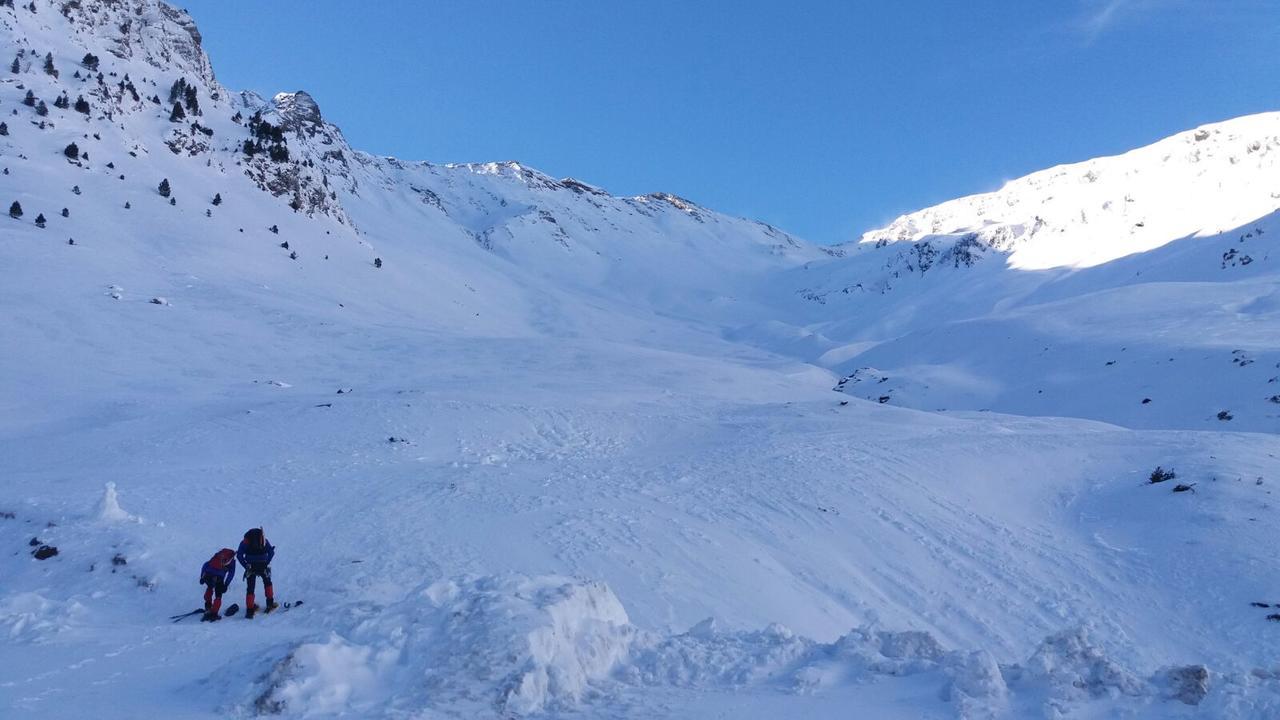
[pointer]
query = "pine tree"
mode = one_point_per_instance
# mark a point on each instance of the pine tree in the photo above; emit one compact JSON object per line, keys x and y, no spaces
{"x":40,"y":220}
{"x":192,"y":100}
{"x":249,"y":148}
{"x":76,"y":189}
{"x":275,"y":229}
{"x":72,"y":151}
{"x":127,"y":205}
{"x":173,"y":201}
{"x":4,"y":128}
{"x":377,"y":262}
{"x":48,"y":65}
{"x":15,"y":210}
{"x":66,"y":212}
{"x":177,"y":89}
{"x":164,"y":188}
{"x":90,"y":61}
{"x":16,"y":67}
{"x":61,"y":102}
{"x":82,"y":105}
{"x":30,"y":99}
{"x":293,"y":255}
{"x":178,"y":113}
{"x":42,"y":109}
{"x":217,"y":199}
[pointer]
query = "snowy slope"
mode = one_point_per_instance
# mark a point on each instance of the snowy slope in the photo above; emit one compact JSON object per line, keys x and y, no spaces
{"x":1205,"y":181}
{"x":515,"y":467}
{"x":1138,"y":289}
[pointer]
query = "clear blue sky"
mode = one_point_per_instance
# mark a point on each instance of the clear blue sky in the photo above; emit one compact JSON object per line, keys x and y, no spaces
{"x":824,"y":117}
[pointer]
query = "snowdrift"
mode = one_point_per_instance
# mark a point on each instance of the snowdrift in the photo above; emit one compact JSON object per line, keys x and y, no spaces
{"x":508,"y":644}
{"x":518,"y":646}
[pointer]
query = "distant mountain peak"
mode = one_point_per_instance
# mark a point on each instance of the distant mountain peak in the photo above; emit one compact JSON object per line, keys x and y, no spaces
{"x":298,"y":109}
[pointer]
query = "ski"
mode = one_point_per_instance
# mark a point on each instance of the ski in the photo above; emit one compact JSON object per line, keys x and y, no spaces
{"x":176,"y":618}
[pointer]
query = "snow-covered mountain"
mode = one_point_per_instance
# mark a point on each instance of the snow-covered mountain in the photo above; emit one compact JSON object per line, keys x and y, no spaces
{"x":153,"y":111}
{"x":1140,"y":289}
{"x":1207,"y":181}
{"x":527,"y":448}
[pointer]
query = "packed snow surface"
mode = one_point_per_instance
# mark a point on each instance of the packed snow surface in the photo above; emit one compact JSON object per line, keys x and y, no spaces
{"x":530,"y":449}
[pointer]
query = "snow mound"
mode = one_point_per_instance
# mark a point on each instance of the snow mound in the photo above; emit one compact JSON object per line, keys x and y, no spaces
{"x":1070,"y":676}
{"x":514,"y":644}
{"x":32,"y":618}
{"x":704,"y":657}
{"x":328,"y":678}
{"x":109,"y":510}
{"x":1074,"y":668}
{"x":548,"y":638}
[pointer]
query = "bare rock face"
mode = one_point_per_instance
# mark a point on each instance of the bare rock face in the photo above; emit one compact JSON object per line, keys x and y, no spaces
{"x":298,"y":110}
{"x":150,"y":30}
{"x":180,"y":18}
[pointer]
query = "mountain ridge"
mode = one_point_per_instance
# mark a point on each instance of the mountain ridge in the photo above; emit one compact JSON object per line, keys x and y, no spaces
{"x":1184,"y":171}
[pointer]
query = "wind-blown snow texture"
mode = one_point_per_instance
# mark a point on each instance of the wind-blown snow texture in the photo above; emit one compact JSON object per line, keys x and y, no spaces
{"x":527,"y":448}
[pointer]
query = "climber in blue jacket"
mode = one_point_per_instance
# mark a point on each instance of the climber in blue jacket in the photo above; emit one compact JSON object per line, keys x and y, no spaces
{"x":255,"y":556}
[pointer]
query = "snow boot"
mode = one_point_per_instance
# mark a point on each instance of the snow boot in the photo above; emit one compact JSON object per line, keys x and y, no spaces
{"x":250,"y":608}
{"x":210,"y":616}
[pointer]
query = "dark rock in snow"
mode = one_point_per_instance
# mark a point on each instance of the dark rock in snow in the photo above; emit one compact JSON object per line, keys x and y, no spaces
{"x":1188,"y":684}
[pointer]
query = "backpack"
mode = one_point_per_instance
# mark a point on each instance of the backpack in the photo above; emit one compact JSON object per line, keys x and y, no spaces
{"x":222,"y":558}
{"x":255,"y":541}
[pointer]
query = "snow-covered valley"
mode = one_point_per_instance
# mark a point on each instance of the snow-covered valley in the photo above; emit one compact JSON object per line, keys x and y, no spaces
{"x":526,"y":448}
